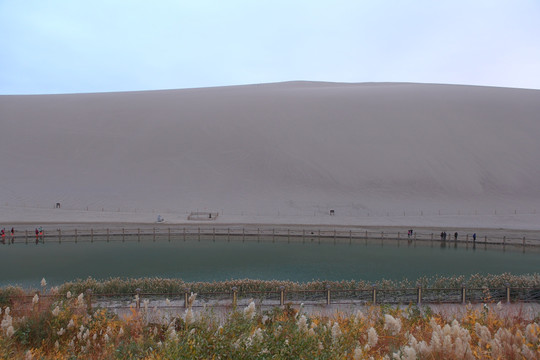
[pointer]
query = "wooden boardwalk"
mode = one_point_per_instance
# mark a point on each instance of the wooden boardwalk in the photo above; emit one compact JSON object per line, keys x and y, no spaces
{"x":257,"y":233}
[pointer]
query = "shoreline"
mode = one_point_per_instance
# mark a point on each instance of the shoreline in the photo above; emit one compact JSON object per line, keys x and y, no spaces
{"x":205,"y":227}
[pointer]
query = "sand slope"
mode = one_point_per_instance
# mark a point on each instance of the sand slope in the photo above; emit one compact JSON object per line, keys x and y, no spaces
{"x":297,"y":147}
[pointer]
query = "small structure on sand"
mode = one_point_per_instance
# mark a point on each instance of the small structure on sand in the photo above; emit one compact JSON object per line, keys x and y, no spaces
{"x":203,"y":215}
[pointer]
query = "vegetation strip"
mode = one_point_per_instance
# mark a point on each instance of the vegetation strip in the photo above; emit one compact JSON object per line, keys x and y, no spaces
{"x":178,"y":286}
{"x":64,"y":329}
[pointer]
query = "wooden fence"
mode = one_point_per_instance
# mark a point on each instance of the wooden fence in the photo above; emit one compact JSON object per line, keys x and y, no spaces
{"x":282,"y":297}
{"x":236,"y":233}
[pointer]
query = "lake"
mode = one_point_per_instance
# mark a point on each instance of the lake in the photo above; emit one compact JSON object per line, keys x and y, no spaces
{"x":297,"y":260}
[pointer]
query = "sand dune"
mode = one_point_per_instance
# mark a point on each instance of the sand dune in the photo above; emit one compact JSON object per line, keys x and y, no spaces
{"x":297,"y":147}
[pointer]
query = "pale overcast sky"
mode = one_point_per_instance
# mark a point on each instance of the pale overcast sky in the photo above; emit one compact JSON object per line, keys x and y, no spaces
{"x":65,"y":46}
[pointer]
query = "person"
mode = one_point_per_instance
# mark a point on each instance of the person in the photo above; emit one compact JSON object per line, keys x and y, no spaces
{"x":455,"y":235}
{"x":474,"y":237}
{"x":3,"y":233}
{"x":442,"y":235}
{"x":12,"y":235}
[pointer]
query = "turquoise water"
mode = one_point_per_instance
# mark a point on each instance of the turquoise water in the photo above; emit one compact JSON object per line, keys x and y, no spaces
{"x":206,"y":260}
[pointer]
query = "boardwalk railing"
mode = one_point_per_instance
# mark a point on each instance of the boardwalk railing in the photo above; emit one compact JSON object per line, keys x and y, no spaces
{"x":246,"y":233}
{"x":282,"y":297}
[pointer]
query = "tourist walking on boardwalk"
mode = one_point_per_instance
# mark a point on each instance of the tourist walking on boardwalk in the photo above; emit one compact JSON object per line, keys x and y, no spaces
{"x":455,"y":235}
{"x":474,"y":237}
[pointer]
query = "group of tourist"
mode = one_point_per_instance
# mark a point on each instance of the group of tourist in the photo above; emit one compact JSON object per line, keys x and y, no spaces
{"x":3,"y":235}
{"x":11,"y":238}
{"x":444,"y":235}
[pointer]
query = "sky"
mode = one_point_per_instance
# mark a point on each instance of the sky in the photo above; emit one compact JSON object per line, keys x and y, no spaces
{"x":77,"y":46}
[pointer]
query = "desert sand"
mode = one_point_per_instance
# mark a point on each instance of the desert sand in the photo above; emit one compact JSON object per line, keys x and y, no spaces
{"x":380,"y":154}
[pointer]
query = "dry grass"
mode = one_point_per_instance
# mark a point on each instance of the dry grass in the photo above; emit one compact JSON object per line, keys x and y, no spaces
{"x":59,"y":327}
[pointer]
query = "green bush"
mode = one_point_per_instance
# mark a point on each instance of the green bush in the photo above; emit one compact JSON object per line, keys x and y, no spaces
{"x":8,"y":293}
{"x":170,"y":286}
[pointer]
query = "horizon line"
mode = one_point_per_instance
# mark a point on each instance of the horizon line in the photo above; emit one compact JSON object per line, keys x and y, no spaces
{"x":268,"y":83}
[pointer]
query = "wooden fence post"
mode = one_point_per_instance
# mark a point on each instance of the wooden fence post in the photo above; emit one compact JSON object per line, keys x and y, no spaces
{"x":463,"y":294}
{"x":186,"y":297}
{"x":419,"y":294}
{"x":281,"y":295}
{"x":37,"y":307}
{"x":507,"y":293}
{"x":235,"y":296}
{"x":138,"y":299}
{"x":374,"y":294}
{"x":328,"y":295}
